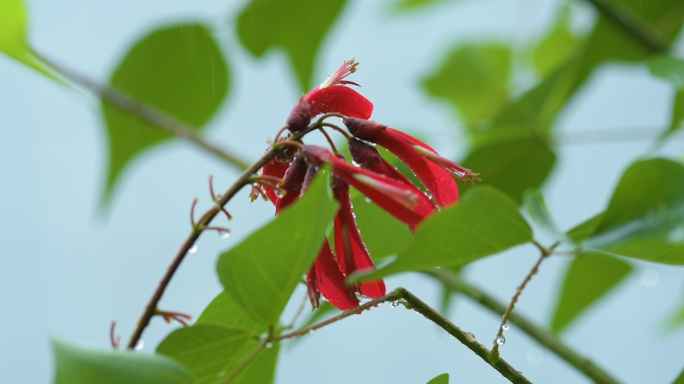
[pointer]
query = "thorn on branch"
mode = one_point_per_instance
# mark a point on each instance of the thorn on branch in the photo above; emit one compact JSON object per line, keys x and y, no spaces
{"x":215,"y":198}
{"x":177,"y":316}
{"x":114,"y":339}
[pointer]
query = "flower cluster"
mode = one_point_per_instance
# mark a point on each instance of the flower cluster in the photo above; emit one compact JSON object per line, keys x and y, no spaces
{"x":371,"y":175}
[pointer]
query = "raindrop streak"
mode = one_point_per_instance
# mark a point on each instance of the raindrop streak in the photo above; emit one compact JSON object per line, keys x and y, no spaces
{"x":225,"y":235}
{"x":470,"y":337}
{"x":506,"y":326}
{"x":193,"y":249}
{"x":140,"y":345}
{"x":650,"y":277}
{"x":501,"y":340}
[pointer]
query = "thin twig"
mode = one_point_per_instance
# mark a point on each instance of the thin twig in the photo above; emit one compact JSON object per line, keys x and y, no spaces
{"x":338,"y":129}
{"x":500,"y":339}
{"x":638,"y":29}
{"x":198,"y":229}
{"x":467,"y":339}
{"x":157,"y":117}
{"x":330,"y":141}
{"x":453,"y":282}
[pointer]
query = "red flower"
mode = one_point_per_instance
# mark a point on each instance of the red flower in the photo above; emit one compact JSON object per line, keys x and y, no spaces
{"x":331,"y":96}
{"x":325,"y":278}
{"x":435,"y":172}
{"x":403,"y":201}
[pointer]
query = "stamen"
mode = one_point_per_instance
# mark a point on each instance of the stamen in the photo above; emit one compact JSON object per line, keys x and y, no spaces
{"x":345,"y":70}
{"x":454,"y":169}
{"x":402,"y":196}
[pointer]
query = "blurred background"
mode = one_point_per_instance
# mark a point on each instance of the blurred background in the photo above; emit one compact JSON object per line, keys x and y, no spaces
{"x":82,"y":248}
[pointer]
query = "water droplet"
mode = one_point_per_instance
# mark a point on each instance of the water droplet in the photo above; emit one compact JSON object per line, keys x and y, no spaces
{"x":225,"y":235}
{"x":470,"y":337}
{"x":311,"y":331}
{"x":139,"y":345}
{"x":506,"y":326}
{"x":535,"y":357}
{"x":193,"y":249}
{"x":452,"y":336}
{"x":269,"y":345}
{"x":368,"y":200}
{"x":397,"y":303}
{"x":650,"y":277}
{"x":501,"y":340}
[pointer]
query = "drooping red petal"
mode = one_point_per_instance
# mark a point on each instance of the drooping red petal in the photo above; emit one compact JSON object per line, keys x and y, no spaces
{"x":340,"y":99}
{"x":329,"y":281}
{"x":438,"y":181}
{"x":275,"y":168}
{"x":368,"y":157}
{"x":351,"y":251}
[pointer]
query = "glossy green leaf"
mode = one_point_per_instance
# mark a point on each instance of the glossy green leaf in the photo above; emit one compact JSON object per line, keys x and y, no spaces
{"x":223,"y":310}
{"x":78,"y":365}
{"x":483,"y":223}
{"x":209,"y":351}
{"x":441,"y":379}
{"x":535,"y":206}
{"x":13,"y":31}
{"x":179,"y":70}
{"x":296,"y":26}
{"x":556,"y":47}
{"x":512,"y":166}
{"x":669,"y":69}
{"x":383,"y":234}
{"x":645,"y":216}
{"x":590,"y":277}
{"x":474,"y":79}
{"x":262,"y":271}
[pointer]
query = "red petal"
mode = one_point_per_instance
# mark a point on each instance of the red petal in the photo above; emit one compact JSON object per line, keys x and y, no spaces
{"x":330,"y":281}
{"x":277,"y":169}
{"x":368,"y":157}
{"x":340,"y":99}
{"x":348,"y":240}
{"x":436,"y":179}
{"x":412,"y":215}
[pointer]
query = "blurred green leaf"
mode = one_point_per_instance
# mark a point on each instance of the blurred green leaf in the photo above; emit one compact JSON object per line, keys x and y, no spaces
{"x":262,"y":271}
{"x":441,"y":379}
{"x":535,"y":206}
{"x":590,"y":276}
{"x":512,"y":166}
{"x":223,"y":310}
{"x":78,"y":365}
{"x":13,"y":30}
{"x":383,"y":234}
{"x":296,"y":26}
{"x":669,"y":69}
{"x":474,"y":79}
{"x":483,"y":223}
{"x":608,"y":41}
{"x":411,"y":5}
{"x":677,"y":112}
{"x":179,"y":70}
{"x":679,"y":379}
{"x":209,"y":351}
{"x":556,"y":47}
{"x":645,"y":216}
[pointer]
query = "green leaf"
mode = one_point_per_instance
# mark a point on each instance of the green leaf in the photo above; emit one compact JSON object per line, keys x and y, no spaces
{"x":13,"y":31}
{"x":590,"y":276}
{"x":262,"y":369}
{"x":556,"y":47}
{"x":78,"y":365}
{"x":474,"y":79}
{"x":441,"y":379}
{"x":179,"y":70}
{"x":645,"y":216}
{"x":383,"y":234}
{"x":223,"y":310}
{"x":679,"y":379}
{"x":669,"y":69}
{"x":677,"y":112}
{"x":512,"y":166}
{"x":262,"y":271}
{"x":483,"y":223}
{"x":410,"y":5}
{"x":209,"y":351}
{"x":296,"y":26}
{"x":535,"y":206}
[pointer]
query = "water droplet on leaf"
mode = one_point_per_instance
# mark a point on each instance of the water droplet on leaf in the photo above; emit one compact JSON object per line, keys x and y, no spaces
{"x":269,"y":345}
